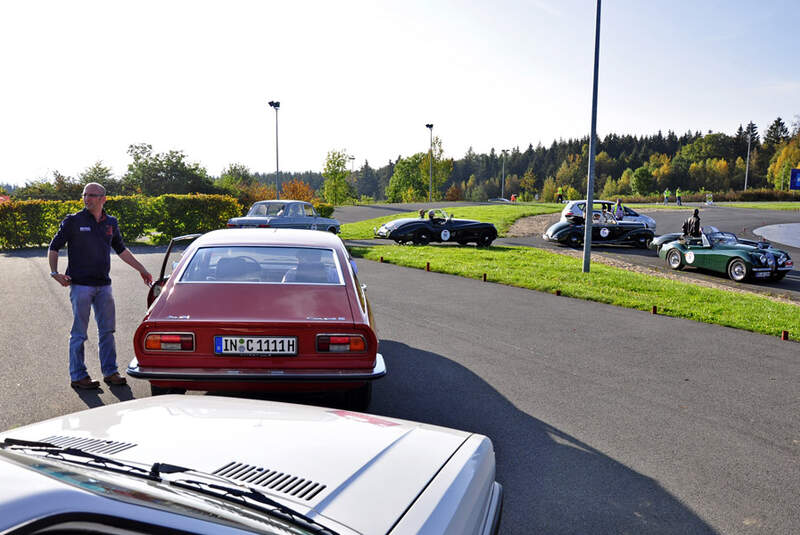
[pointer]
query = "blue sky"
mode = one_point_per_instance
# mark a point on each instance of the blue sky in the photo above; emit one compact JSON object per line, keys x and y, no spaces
{"x":82,"y":80}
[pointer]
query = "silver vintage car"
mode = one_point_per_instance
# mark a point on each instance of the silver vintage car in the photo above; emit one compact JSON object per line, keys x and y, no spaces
{"x":284,"y":214}
{"x":217,"y":465}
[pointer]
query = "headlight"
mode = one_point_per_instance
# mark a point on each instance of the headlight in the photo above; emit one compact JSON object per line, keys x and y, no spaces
{"x":762,"y":258}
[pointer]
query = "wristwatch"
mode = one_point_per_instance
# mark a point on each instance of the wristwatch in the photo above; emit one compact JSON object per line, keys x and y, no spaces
{"x":53,"y":273}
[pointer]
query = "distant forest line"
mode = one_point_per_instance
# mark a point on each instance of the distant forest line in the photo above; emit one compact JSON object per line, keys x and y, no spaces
{"x":625,"y":165}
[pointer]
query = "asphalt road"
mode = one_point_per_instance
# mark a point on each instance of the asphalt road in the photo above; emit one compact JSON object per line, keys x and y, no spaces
{"x":605,"y":420}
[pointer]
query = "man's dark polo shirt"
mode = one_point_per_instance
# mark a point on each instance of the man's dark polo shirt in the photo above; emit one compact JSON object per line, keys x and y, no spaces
{"x":89,"y":244}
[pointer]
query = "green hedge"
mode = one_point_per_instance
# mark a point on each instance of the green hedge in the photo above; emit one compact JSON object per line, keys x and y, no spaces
{"x":187,"y":214}
{"x":34,"y":223}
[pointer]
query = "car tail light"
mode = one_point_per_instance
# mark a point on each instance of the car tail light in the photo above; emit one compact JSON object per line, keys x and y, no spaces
{"x":231,"y":225}
{"x":263,"y":226}
{"x":341,"y":343}
{"x":169,"y":342}
{"x":569,"y":214}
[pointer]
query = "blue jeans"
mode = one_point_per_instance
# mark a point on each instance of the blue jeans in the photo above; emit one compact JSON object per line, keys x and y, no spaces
{"x":101,"y":299}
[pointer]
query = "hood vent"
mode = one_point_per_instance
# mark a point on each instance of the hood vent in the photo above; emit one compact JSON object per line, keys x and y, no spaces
{"x":275,"y":480}
{"x":94,"y":445}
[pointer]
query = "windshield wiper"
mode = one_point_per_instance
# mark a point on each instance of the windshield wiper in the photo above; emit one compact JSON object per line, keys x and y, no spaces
{"x":80,"y":457}
{"x":246,"y":497}
{"x":250,"y":498}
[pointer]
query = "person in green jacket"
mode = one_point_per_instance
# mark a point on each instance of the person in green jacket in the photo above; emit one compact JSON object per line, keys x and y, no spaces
{"x":560,"y":197}
{"x":666,"y":196}
{"x":678,"y":196}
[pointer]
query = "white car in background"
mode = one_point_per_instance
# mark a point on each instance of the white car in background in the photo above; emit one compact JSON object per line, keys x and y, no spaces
{"x":215,"y":465}
{"x":574,"y":212}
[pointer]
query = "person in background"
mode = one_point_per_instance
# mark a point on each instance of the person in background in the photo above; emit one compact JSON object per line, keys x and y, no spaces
{"x":90,"y":235}
{"x":560,"y":197}
{"x":678,"y":196}
{"x":619,"y":211}
{"x":667,"y":193}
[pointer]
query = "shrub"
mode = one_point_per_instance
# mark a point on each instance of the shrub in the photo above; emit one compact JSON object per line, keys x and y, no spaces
{"x":323,"y":209}
{"x":189,"y":214}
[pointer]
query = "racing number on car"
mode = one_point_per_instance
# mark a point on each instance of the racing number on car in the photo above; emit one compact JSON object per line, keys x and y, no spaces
{"x":445,"y":235}
{"x":604,"y":232}
{"x":689,"y":257}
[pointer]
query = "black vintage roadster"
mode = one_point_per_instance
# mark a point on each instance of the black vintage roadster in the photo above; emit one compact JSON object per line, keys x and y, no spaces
{"x":606,"y":230}
{"x":437,"y":226}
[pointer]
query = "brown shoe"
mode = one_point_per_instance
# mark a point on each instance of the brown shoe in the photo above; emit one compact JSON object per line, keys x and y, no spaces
{"x":86,"y":383}
{"x":115,"y":379}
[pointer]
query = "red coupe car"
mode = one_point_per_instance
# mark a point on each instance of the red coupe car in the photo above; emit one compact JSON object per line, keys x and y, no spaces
{"x":259,"y":309}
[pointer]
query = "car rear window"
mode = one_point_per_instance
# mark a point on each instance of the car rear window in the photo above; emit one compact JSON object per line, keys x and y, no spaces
{"x":267,"y":208}
{"x":255,"y":264}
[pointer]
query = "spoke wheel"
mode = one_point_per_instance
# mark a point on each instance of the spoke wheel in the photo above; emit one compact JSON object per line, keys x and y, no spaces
{"x":423,"y":237}
{"x":737,"y":270}
{"x":674,"y":259}
{"x":574,"y":239}
{"x":485,"y":239}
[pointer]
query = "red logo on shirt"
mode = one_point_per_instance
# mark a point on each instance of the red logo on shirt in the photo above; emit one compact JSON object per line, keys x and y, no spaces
{"x":109,"y":230}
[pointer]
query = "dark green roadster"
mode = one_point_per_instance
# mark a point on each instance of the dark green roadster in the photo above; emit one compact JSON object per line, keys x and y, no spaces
{"x":723,"y":252}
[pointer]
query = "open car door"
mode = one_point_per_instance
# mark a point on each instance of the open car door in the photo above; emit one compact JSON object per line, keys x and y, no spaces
{"x":175,"y":250}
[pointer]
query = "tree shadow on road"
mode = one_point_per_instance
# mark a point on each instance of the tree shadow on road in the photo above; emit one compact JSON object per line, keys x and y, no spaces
{"x":553,"y":482}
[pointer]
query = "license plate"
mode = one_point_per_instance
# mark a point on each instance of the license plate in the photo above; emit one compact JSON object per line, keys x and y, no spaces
{"x":762,"y":274}
{"x":255,"y":345}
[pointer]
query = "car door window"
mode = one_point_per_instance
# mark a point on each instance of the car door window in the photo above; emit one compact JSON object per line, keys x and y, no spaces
{"x":309,"y":210}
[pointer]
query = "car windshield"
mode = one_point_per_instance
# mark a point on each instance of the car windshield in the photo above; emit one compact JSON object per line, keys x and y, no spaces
{"x":267,"y":208}
{"x":260,"y":264}
{"x":723,"y":238}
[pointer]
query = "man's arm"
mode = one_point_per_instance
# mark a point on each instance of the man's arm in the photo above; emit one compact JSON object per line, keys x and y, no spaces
{"x":52,"y":258}
{"x":128,"y":258}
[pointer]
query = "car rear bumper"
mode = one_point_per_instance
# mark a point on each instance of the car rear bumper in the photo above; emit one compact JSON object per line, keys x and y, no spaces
{"x":228,"y":374}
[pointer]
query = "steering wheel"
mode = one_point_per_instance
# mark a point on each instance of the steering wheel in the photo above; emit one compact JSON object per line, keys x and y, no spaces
{"x":250,"y":260}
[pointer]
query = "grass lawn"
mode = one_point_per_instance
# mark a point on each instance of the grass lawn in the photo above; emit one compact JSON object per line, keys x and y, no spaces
{"x":502,"y":216}
{"x":787,"y":205}
{"x":545,"y":271}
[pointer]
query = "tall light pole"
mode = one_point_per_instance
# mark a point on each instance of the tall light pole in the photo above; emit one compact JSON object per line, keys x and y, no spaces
{"x":503,"y":180}
{"x":430,"y":181}
{"x":275,"y":104}
{"x":747,"y":167}
{"x":587,"y":225}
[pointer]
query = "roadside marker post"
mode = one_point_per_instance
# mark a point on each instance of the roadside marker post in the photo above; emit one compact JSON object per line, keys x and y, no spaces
{"x":484,"y":277}
{"x":558,"y":292}
{"x":654,"y":310}
{"x":427,"y":266}
{"x":785,"y":335}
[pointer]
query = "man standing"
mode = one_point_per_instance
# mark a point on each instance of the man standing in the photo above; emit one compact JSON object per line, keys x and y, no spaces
{"x":560,"y":197}
{"x":90,"y":234}
{"x":666,"y":195}
{"x":678,"y":197}
{"x":691,"y":227}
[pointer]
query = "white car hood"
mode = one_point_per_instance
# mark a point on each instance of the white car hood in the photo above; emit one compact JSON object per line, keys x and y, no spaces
{"x":359,"y":470}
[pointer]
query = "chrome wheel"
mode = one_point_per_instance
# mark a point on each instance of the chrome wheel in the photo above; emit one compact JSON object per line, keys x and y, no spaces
{"x":737,"y":270}
{"x":674,"y":259}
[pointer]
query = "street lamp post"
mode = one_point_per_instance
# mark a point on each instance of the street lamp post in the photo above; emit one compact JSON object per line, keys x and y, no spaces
{"x":430,"y":181}
{"x":275,"y":104}
{"x":747,"y":167}
{"x":503,"y":180}
{"x":587,"y":231}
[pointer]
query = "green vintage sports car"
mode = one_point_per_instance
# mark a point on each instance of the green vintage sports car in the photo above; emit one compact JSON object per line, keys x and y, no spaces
{"x":723,"y":252}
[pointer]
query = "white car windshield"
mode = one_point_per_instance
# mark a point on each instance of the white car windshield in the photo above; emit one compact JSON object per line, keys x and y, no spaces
{"x":255,"y":264}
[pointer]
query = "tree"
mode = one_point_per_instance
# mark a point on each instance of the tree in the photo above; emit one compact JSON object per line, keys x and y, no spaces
{"x":157,"y":174}
{"x":442,"y":168}
{"x":335,"y":188}
{"x":298,"y":190}
{"x":528,"y":182}
{"x":785,"y":158}
{"x":642,"y":181}
{"x":96,"y":173}
{"x":408,"y":183}
{"x":454,"y":193}
{"x":234,"y":175}
{"x":776,"y":134}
